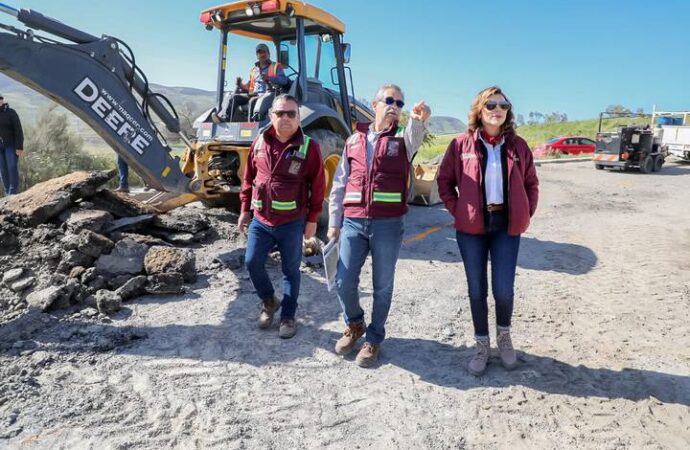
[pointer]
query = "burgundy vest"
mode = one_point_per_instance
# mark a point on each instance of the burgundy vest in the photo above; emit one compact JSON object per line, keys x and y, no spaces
{"x":280,"y":190}
{"x":381,"y":192}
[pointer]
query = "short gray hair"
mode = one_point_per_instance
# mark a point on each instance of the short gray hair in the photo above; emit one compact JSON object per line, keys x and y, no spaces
{"x":382,"y":90}
{"x":284,"y":98}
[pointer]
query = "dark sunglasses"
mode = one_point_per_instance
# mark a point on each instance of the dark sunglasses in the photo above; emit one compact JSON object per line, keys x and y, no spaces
{"x":505,"y":106}
{"x":260,"y":51}
{"x":390,"y":100}
{"x":291,"y":114}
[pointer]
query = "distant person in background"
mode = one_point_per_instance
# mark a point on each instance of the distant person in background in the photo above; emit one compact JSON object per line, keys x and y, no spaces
{"x":123,"y":174}
{"x":488,"y":183}
{"x":11,"y":147}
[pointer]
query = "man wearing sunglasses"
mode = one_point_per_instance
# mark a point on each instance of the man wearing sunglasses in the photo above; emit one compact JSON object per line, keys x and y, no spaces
{"x":367,"y":203}
{"x":283,"y":185}
{"x":11,"y":147}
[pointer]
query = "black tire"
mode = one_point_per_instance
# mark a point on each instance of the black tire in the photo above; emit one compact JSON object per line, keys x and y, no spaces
{"x":230,"y":202}
{"x":331,"y":149}
{"x":647,"y":164}
{"x":658,"y":163}
{"x":599,"y":166}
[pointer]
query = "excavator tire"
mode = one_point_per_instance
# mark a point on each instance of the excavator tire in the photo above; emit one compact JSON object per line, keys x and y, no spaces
{"x":331,"y":149}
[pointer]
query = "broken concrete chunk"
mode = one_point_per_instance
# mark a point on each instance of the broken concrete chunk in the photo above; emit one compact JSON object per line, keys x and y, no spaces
{"x":108,"y":302}
{"x":76,"y":220}
{"x":132,"y":288}
{"x":168,"y":259}
{"x":165,"y":283}
{"x":46,"y":200}
{"x":182,"y":220}
{"x":12,"y":275}
{"x":93,"y":244}
{"x":129,"y":222}
{"x":23,"y":284}
{"x":44,"y":298}
{"x":127,"y":257}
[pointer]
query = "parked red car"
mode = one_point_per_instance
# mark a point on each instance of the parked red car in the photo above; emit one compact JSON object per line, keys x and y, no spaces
{"x":571,"y":145}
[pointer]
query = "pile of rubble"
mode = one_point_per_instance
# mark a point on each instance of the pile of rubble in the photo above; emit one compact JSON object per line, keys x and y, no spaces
{"x":69,"y":242}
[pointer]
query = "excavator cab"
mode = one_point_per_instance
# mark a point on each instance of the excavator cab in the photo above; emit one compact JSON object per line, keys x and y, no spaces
{"x":308,"y":43}
{"x":98,"y":80}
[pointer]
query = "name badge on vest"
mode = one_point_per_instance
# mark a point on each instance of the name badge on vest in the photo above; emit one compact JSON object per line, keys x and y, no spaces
{"x":294,"y":168}
{"x":392,"y":148}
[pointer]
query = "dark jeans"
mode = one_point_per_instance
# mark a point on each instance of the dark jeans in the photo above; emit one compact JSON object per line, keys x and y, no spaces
{"x":9,"y":169}
{"x":475,"y":251}
{"x":123,"y":171}
{"x":260,"y":240}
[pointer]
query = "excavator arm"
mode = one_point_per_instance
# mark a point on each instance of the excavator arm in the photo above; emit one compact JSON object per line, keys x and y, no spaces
{"x":100,"y":83}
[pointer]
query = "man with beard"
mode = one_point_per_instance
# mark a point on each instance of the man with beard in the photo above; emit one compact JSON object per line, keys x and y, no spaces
{"x":367,"y":204}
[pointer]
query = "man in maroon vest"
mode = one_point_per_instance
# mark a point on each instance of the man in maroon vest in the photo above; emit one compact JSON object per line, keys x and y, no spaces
{"x":367,"y":205}
{"x":284,"y":185}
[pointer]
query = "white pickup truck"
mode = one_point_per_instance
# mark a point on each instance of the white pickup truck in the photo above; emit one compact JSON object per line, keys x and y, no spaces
{"x":676,"y":139}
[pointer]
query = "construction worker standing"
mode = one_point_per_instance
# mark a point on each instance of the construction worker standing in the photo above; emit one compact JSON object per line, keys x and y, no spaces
{"x":367,"y":205}
{"x":11,"y":147}
{"x":284,"y":185}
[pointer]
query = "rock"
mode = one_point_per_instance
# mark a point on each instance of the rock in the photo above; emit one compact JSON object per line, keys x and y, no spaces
{"x":140,"y":238}
{"x":176,"y":238}
{"x":89,"y":275}
{"x":127,"y":257}
{"x":77,"y":272}
{"x":70,"y":241}
{"x":93,"y":244}
{"x":232,"y":260}
{"x":44,"y":298}
{"x":118,"y":281}
{"x":108,"y":302}
{"x":165,"y":283}
{"x":12,"y":275}
{"x":98,"y":283}
{"x":23,"y":284}
{"x":46,"y":200}
{"x":129,"y":222}
{"x":8,"y":242}
{"x":76,"y":220}
{"x":45,"y":233}
{"x":74,"y":258}
{"x":120,"y":206}
{"x":182,"y":220}
{"x":167,"y":259}
{"x":132,"y":288}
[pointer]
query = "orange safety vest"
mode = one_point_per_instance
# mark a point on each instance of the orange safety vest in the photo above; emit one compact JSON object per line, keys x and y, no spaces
{"x":272,"y":69}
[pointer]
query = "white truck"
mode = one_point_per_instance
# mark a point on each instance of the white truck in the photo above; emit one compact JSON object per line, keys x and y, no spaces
{"x":675,"y":132}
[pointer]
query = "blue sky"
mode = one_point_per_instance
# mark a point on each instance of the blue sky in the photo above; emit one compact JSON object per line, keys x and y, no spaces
{"x":575,"y":56}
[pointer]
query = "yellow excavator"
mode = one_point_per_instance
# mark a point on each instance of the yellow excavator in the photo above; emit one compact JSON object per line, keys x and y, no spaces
{"x":99,"y":80}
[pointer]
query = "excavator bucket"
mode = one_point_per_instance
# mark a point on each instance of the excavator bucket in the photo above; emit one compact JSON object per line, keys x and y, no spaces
{"x":424,"y":190}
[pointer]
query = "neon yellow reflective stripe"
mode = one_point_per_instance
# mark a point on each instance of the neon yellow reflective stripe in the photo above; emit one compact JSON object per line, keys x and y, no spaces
{"x":284,"y":206}
{"x":304,"y":147}
{"x":400,"y":131}
{"x":388,"y":197}
{"x":353,"y":196}
{"x":257,"y":204}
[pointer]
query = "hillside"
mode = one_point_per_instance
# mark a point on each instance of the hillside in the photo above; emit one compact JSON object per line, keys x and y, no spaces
{"x":439,"y":125}
{"x":540,"y":133}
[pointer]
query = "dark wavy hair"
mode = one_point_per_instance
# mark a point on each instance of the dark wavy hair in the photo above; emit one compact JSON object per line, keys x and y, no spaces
{"x":474,"y":118}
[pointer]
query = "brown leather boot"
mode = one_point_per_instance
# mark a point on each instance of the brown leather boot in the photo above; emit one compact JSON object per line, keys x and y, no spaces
{"x":268,"y":309}
{"x":506,"y":350}
{"x":477,"y":364}
{"x":352,"y":333}
{"x":368,"y":355}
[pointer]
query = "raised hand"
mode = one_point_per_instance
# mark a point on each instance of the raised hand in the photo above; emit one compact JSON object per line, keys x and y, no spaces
{"x":420,"y":111}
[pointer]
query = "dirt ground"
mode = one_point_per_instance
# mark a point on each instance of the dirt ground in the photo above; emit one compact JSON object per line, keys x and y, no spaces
{"x":602,"y":301}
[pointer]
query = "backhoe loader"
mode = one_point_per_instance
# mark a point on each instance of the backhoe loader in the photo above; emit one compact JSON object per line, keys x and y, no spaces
{"x":99,"y":80}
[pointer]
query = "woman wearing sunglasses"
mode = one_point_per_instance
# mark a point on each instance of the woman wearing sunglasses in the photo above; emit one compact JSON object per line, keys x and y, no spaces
{"x":488,"y":183}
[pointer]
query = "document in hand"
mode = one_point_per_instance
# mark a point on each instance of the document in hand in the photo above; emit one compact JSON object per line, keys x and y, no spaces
{"x":330,"y":262}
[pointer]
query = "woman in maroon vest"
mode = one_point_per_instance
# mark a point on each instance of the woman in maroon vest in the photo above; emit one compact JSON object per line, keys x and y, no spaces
{"x":488,"y":183}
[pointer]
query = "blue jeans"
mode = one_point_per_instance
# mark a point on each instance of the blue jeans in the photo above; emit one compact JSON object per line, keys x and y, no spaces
{"x":358,"y":237}
{"x":475,"y":251}
{"x":9,"y":169}
{"x":123,"y":172}
{"x":260,"y":240}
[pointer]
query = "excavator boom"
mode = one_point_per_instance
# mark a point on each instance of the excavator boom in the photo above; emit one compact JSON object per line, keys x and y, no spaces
{"x":98,"y":82}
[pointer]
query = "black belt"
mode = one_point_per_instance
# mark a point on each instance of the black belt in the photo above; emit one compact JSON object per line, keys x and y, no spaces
{"x":493,"y":207}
